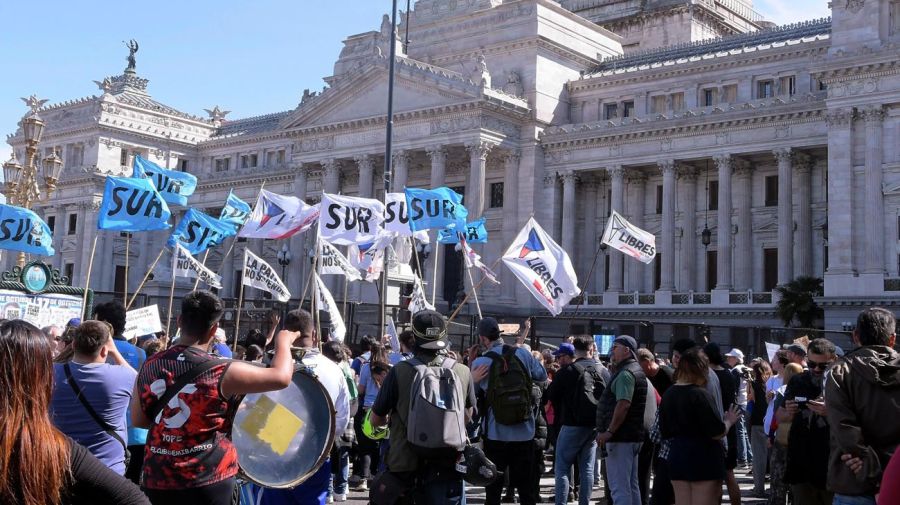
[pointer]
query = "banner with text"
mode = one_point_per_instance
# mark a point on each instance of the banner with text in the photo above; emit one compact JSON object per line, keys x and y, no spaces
{"x":185,"y":265}
{"x":326,"y":303}
{"x":629,"y":239}
{"x":350,"y":220}
{"x":198,"y":232}
{"x":175,"y":186}
{"x":132,"y":204}
{"x":22,"y":230}
{"x":417,"y":300}
{"x":333,"y":262}
{"x":258,"y":274}
{"x":434,"y":208}
{"x":476,"y":233}
{"x":142,"y":321}
{"x":236,"y":211}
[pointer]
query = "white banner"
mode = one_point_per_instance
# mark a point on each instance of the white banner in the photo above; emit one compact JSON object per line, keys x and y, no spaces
{"x":276,"y":216}
{"x":771,"y":350}
{"x":629,"y":239}
{"x":258,"y":274}
{"x":370,"y":257}
{"x":392,"y":333}
{"x":474,"y":259}
{"x":417,"y":300}
{"x":396,"y":218}
{"x":543,"y":267}
{"x":333,"y":262}
{"x":142,"y":321}
{"x":348,"y":220}
{"x":326,"y":303}
{"x":186,"y":265}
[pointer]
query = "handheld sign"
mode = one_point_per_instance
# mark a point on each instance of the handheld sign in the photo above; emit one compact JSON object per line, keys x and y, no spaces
{"x":348,"y":220}
{"x":434,"y":208}
{"x":22,"y":230}
{"x":142,"y":321}
{"x":131,"y":204}
{"x":197,"y":232}
{"x":175,"y":186}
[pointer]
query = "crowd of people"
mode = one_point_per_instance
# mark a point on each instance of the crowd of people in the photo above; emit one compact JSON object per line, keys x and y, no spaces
{"x":90,"y":417}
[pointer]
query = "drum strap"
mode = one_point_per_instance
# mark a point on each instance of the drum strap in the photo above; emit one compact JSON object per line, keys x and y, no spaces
{"x":182,"y":381}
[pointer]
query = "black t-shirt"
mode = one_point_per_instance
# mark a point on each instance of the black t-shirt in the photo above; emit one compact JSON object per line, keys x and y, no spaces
{"x":808,"y":440}
{"x":663,"y":380}
{"x":564,"y":388}
{"x":94,"y":483}
{"x":687,"y":412}
{"x":760,"y":403}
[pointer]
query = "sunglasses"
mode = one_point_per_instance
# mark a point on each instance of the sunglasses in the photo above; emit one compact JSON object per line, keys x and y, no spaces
{"x":818,"y":366}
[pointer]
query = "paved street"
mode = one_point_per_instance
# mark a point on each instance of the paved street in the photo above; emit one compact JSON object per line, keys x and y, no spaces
{"x":476,"y":495}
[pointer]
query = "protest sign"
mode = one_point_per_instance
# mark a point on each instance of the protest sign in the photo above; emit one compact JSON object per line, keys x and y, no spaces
{"x":186,"y":265}
{"x":142,"y":321}
{"x":333,"y":262}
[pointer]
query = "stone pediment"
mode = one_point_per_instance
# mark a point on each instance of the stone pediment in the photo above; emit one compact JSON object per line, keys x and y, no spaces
{"x":362,"y":93}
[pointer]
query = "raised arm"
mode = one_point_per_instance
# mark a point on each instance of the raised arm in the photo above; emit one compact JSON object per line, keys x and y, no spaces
{"x":243,"y":378}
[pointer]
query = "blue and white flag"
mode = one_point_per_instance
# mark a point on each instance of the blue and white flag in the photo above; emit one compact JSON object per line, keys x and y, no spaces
{"x":434,"y":208}
{"x":197,"y":232}
{"x":131,"y":204}
{"x":22,"y":230}
{"x":174,"y":185}
{"x":476,"y":233}
{"x":543,"y":267}
{"x":236,"y":211}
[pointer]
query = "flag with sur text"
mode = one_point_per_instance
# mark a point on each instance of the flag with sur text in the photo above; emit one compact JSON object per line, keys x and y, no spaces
{"x":543,"y":267}
{"x":434,"y":208}
{"x":236,"y":211}
{"x":132,"y":204}
{"x":197,"y":232}
{"x":175,"y":186}
{"x":476,"y":233}
{"x":22,"y":230}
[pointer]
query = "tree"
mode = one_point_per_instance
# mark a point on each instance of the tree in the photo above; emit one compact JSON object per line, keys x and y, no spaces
{"x":797,"y":301}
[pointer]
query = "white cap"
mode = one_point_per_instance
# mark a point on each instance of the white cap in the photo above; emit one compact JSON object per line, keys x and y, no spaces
{"x":736,"y":353}
{"x":220,"y":335}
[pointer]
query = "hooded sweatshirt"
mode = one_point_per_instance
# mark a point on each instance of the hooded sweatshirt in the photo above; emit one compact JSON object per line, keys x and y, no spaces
{"x":862,"y":397}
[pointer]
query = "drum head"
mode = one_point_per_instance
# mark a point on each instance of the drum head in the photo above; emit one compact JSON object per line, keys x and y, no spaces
{"x":283,"y":437}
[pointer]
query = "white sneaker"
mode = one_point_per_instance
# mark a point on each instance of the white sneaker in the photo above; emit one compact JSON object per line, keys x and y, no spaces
{"x":340,"y":497}
{"x":363,"y":485}
{"x":330,"y":499}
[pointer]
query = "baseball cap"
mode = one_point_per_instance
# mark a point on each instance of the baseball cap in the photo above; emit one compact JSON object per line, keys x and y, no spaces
{"x":735,"y":353}
{"x":565,"y":349}
{"x":627,"y":341}
{"x":75,"y":321}
{"x":489,"y":328}
{"x":430,"y":330}
{"x":795,"y":348}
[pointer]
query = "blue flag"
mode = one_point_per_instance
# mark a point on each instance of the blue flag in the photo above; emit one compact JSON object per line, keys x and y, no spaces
{"x":131,"y":204}
{"x":198,"y":231}
{"x":22,"y":230}
{"x":476,"y":233}
{"x":174,"y":186}
{"x":236,"y":211}
{"x":434,"y":208}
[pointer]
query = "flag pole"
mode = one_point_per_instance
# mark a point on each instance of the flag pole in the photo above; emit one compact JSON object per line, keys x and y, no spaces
{"x":388,"y":148}
{"x":437,"y":253}
{"x":344,"y":308}
{"x":466,"y":298}
{"x":171,"y":299}
{"x":237,"y":323}
{"x":197,"y":282}
{"x":474,"y":291}
{"x":127,"y":254}
{"x":583,"y":294}
{"x":87,"y":280}
{"x":146,"y":276}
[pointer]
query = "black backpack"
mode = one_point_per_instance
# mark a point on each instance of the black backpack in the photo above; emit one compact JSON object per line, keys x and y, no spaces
{"x":509,"y":387}
{"x":587,"y":393}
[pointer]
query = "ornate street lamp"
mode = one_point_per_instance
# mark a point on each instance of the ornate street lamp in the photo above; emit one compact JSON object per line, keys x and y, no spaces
{"x":22,"y":185}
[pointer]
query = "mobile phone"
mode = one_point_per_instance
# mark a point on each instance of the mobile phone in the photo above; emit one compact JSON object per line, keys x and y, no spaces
{"x":801,"y":402}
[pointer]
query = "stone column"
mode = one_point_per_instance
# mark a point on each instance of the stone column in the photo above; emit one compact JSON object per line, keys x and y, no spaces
{"x":366,"y":165}
{"x":331,"y":177}
{"x":634,"y":270}
{"x":438,"y":155}
{"x":874,"y":228}
{"x":508,"y":282}
{"x":400,"y":167}
{"x":589,"y":241}
{"x":478,"y":153}
{"x":617,"y":179}
{"x":298,"y":269}
{"x":688,"y":177}
{"x":667,"y":277}
{"x":724,"y":163}
{"x":840,"y":200}
{"x":803,"y":167}
{"x":601,"y":179}
{"x":569,"y":180}
{"x":743,"y":242}
{"x":785,"y":216}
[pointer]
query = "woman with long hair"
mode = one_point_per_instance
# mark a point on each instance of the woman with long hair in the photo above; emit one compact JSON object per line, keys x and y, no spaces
{"x":38,"y":464}
{"x":758,"y":440}
{"x":691,"y":424}
{"x":371,"y":375}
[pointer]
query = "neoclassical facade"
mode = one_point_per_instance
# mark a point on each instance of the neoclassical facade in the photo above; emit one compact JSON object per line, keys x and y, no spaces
{"x":755,"y":154}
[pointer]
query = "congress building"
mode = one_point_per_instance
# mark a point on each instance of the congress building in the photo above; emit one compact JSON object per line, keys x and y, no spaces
{"x":755,"y":153}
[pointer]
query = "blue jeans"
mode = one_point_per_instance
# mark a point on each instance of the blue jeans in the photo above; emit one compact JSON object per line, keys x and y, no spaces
{"x":575,"y":445}
{"x":340,"y":471}
{"x":842,"y":499}
{"x":622,"y":470}
{"x":441,"y":489}
{"x":744,"y":451}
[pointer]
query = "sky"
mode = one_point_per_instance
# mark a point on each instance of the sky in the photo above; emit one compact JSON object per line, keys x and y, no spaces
{"x":250,"y":58}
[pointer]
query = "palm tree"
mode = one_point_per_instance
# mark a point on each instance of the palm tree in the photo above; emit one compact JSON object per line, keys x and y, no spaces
{"x":797,"y":301}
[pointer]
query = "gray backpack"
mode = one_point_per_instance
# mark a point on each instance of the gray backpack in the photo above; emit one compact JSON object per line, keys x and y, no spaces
{"x":437,"y":408}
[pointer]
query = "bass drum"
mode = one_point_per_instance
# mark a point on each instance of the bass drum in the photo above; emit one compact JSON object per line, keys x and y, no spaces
{"x":283,"y":437}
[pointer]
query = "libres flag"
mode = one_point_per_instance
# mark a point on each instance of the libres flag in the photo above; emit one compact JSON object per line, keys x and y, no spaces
{"x":543,"y":267}
{"x":132,"y":204}
{"x":434,"y":208}
{"x":277,"y":216}
{"x":236,"y":211}
{"x":175,"y":186}
{"x":22,"y":230}
{"x":369,"y":257}
{"x":476,"y":233}
{"x":629,"y":239}
{"x":197,"y":232}
{"x":473,"y":259}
